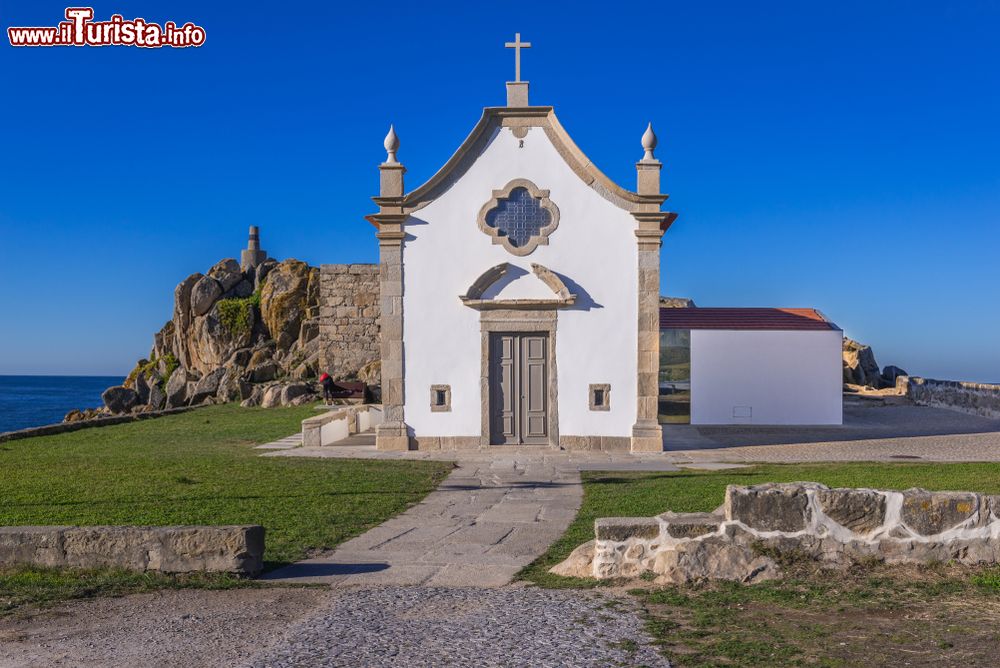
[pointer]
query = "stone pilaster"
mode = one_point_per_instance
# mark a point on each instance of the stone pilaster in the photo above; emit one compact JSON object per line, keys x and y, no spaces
{"x":646,"y":433}
{"x":392,"y":434}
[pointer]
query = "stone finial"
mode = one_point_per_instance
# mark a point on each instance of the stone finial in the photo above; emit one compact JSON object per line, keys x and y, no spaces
{"x":649,"y":144}
{"x":391,"y":144}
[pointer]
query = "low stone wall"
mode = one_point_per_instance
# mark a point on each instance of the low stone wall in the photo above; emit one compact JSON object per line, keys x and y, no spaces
{"x":184,"y":549}
{"x":833,"y":526}
{"x":974,"y":398}
{"x":64,"y":427}
{"x":338,"y":424}
{"x":349,"y":317}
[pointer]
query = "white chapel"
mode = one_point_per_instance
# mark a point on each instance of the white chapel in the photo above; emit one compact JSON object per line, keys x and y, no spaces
{"x":520,"y":305}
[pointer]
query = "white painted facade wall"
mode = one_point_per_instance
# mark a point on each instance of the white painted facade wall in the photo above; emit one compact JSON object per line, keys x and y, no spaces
{"x":783,"y":377}
{"x":594,"y":251}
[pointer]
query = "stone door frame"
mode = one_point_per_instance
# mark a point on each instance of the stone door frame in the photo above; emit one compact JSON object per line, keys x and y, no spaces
{"x":504,"y":321}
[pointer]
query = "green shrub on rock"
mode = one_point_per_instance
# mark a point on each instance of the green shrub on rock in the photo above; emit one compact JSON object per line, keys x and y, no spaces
{"x":237,"y":314}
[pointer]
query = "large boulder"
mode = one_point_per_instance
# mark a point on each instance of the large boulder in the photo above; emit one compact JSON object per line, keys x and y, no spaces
{"x":227,"y":272}
{"x":284,"y":299}
{"x":157,"y":397}
{"x":890,"y":374}
{"x":264,"y":372}
{"x":260,"y":274}
{"x":242,"y":290}
{"x":210,"y":342}
{"x":120,"y":399}
{"x":141,"y":387}
{"x":182,"y":315}
{"x":271,"y":397}
{"x":204,"y":294}
{"x":860,"y":367}
{"x":371,"y":373}
{"x":207,"y":387}
{"x":176,"y":389}
{"x":163,"y":341}
{"x":295,"y":394}
{"x":232,"y":386}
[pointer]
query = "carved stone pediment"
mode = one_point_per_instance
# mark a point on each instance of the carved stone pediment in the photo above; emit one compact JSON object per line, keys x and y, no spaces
{"x":561,"y":296}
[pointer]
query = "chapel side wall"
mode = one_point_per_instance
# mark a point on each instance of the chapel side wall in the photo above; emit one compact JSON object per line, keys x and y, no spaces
{"x":593,"y":250}
{"x":349,"y":317}
{"x":785,"y":377}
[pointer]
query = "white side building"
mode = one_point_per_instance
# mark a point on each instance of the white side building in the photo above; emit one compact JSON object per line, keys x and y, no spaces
{"x":750,"y":366}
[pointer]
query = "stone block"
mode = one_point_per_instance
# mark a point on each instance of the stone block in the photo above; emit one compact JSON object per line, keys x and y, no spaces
{"x":620,"y":529}
{"x":860,"y":510}
{"x":769,"y":507}
{"x":930,"y":513}
{"x":691,"y":525}
{"x":228,"y":549}
{"x":39,"y":546}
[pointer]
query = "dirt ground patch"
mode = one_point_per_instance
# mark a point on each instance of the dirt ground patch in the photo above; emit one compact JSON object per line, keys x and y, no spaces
{"x":183,"y":628}
{"x":864,"y":616}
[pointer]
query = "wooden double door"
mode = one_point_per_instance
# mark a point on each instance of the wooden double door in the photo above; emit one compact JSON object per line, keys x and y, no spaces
{"x":519,"y":388}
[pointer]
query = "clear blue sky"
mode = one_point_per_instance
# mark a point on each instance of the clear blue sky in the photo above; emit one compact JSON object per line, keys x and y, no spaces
{"x":842,"y":155}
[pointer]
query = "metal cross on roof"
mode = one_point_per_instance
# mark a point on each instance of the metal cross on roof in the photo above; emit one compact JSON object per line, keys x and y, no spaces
{"x":517,"y":45}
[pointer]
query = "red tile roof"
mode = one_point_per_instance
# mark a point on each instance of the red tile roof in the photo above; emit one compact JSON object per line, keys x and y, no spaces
{"x":744,"y":318}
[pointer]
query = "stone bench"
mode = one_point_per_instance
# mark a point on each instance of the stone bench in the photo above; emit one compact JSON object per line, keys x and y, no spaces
{"x":178,"y":549}
{"x":336,"y":425}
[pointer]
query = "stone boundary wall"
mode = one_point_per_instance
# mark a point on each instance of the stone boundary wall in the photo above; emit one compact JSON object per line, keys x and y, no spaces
{"x":350,"y":318}
{"x":182,"y":549}
{"x":65,"y":427}
{"x":832,"y":526}
{"x":974,"y":398}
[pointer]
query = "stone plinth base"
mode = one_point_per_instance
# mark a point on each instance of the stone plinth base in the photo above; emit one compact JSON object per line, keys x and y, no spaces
{"x":392,"y":437}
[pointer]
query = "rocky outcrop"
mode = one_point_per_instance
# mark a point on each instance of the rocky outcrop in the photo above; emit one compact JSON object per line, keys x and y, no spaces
{"x":676,"y":302}
{"x":120,"y":399}
{"x":860,"y":367}
{"x":249,"y":336}
{"x":290,"y":291}
{"x":760,"y":526}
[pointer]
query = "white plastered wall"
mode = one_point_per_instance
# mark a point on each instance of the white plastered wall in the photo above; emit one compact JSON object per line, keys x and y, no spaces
{"x":766,"y":377}
{"x":594,"y":247}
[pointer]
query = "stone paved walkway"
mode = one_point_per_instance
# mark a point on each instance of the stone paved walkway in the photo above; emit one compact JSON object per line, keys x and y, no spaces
{"x":491,"y":517}
{"x":465,"y":627}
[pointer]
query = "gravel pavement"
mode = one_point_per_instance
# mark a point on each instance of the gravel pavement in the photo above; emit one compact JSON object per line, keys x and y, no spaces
{"x":183,"y":629}
{"x":432,"y":626}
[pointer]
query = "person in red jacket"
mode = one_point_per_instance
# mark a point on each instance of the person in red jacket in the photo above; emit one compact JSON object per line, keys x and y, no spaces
{"x":327,"y":382}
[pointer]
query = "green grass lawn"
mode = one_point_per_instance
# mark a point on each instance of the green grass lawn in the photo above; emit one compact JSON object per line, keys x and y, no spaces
{"x":200,"y":467}
{"x":869,"y":615}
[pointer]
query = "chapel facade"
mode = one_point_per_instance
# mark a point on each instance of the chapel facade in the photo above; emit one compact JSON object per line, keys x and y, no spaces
{"x":519,"y":292}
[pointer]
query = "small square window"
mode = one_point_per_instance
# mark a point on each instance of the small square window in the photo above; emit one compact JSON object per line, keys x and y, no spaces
{"x":440,"y":398}
{"x":600,"y":397}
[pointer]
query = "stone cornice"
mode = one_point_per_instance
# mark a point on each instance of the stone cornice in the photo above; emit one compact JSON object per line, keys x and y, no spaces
{"x":495,"y":118}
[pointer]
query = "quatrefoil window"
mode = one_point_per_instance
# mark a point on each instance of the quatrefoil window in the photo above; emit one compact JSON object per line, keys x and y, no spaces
{"x":520,"y":217}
